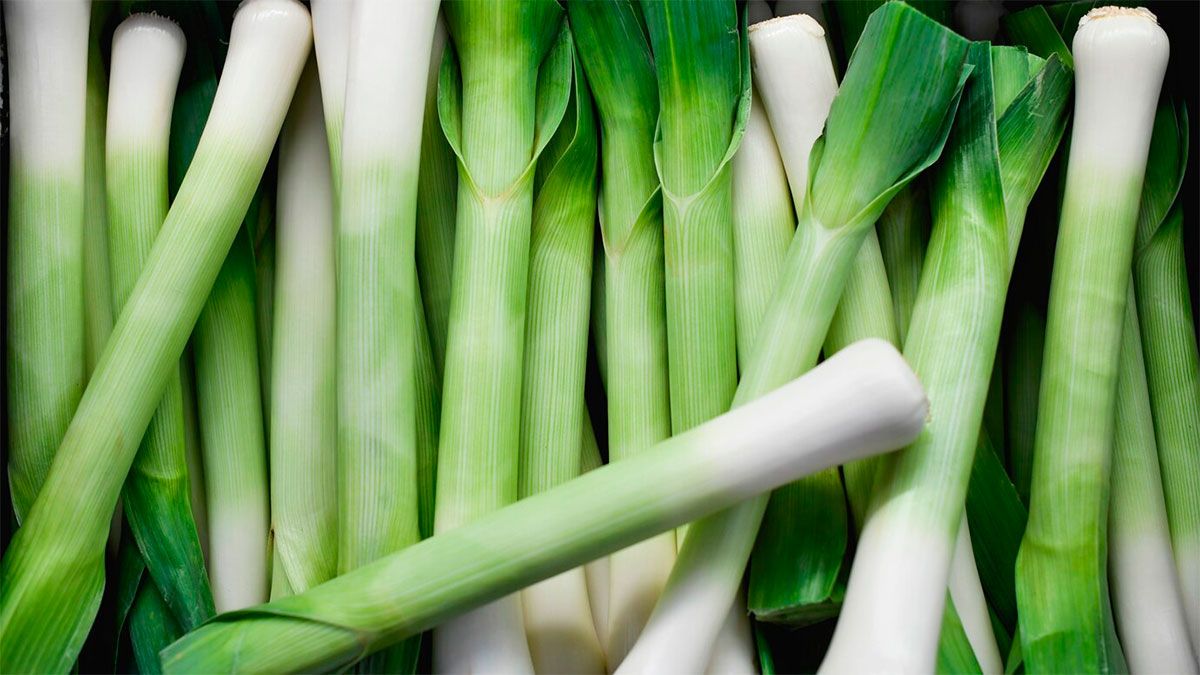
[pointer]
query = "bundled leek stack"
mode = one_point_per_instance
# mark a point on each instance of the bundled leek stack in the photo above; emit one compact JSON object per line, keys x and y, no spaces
{"x":303,"y":292}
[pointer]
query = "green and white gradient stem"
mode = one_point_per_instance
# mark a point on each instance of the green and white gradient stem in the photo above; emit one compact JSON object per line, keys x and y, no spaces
{"x":861,"y":401}
{"x":868,"y":153}
{"x":303,"y":428}
{"x":47,"y":62}
{"x":1147,"y":603}
{"x":499,"y":105}
{"x":1062,"y":578}
{"x":698,"y":62}
{"x":229,"y":400}
{"x":630,"y":324}
{"x":763,"y":223}
{"x":52,"y":574}
{"x":558,"y":618}
{"x":1169,"y":337}
{"x":895,"y":601}
{"x":147,"y":55}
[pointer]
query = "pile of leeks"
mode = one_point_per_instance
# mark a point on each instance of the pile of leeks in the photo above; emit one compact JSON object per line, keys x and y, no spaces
{"x":597,"y":336}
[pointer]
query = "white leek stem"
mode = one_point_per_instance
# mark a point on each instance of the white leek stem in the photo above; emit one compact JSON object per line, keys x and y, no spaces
{"x":966,"y":591}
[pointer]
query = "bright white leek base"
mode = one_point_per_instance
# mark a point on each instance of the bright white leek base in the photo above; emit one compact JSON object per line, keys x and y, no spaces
{"x":966,"y":591}
{"x":147,"y":55}
{"x":794,"y":78}
{"x":866,"y":383}
{"x":558,"y":624}
{"x":929,"y":549}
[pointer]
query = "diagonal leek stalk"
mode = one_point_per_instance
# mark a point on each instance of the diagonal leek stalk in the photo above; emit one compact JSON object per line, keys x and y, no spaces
{"x":303,"y":428}
{"x":229,"y":400}
{"x":860,"y":401}
{"x":1062,"y":585}
{"x":630,"y":328}
{"x":498,"y":109}
{"x":47,"y":57}
{"x":869,"y":152}
{"x":995,"y":159}
{"x":97,"y":283}
{"x":794,"y":573}
{"x":1168,"y":333}
{"x":437,"y":193}
{"x":558,"y":619}
{"x":147,"y":55}
{"x":1147,"y":603}
{"x":52,"y":574}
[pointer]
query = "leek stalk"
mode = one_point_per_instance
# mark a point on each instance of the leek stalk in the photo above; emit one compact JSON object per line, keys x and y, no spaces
{"x":229,"y":401}
{"x":558,"y":618}
{"x":303,"y":428}
{"x":1062,"y":584}
{"x":997,"y":155}
{"x":47,"y":61}
{"x":862,"y":400}
{"x":703,"y":72}
{"x":629,"y":325}
{"x":862,"y":162}
{"x":147,"y":56}
{"x":499,"y":109}
{"x":52,"y":574}
{"x":1168,"y":333}
{"x":1147,"y":605}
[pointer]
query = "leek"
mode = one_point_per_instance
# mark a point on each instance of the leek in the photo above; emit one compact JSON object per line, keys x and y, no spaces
{"x":147,"y":56}
{"x":498,"y":109}
{"x":558,"y":620}
{"x":703,"y":72}
{"x":597,"y":571}
{"x":1168,"y":333}
{"x":863,"y":160}
{"x":763,"y":222}
{"x":862,"y":400}
{"x":52,"y":573}
{"x":629,"y":326}
{"x":303,"y":429}
{"x":1065,"y":620}
{"x":47,"y":61}
{"x":996,"y":157}
{"x":1147,"y":604}
{"x":229,"y":400}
